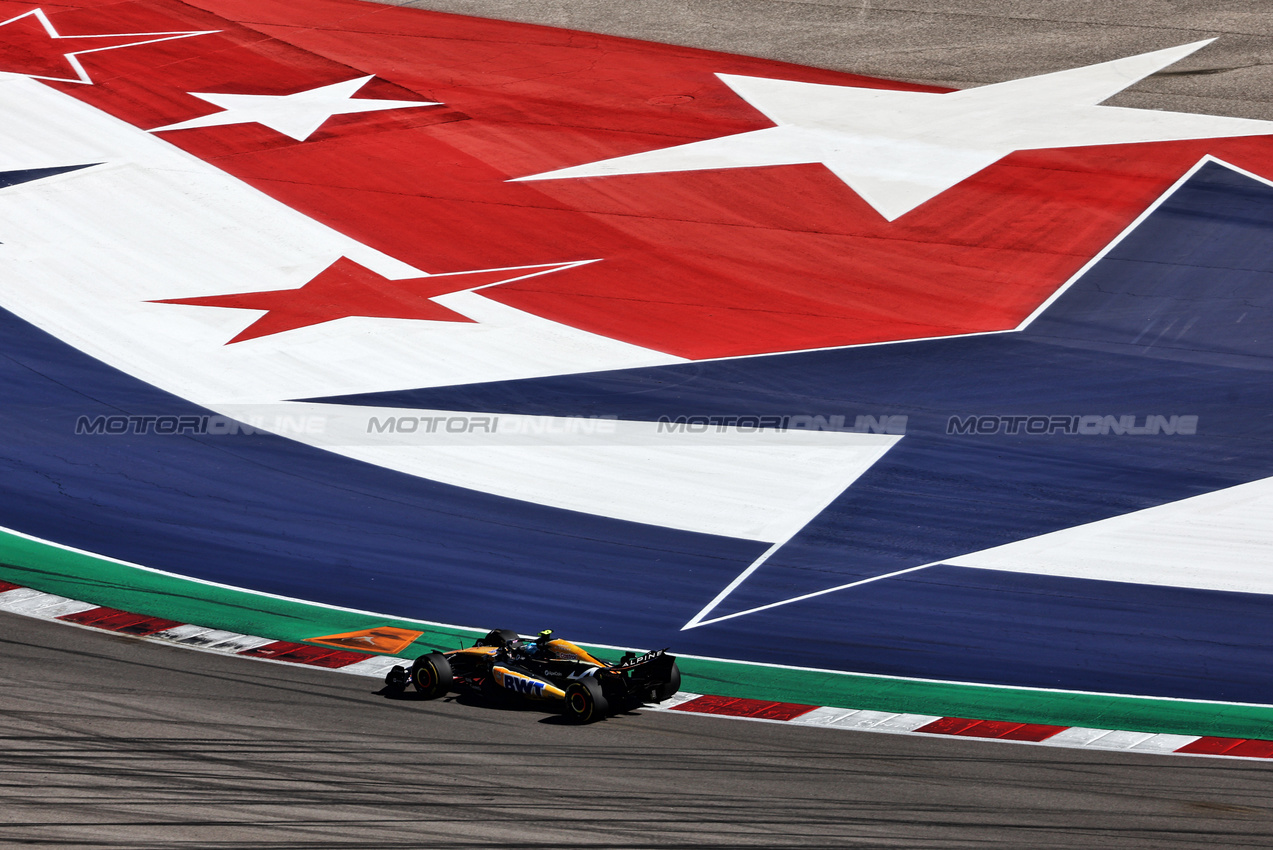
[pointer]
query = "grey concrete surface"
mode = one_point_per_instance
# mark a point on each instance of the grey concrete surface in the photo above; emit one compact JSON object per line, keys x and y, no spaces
{"x":956,"y":43}
{"x":110,"y":742}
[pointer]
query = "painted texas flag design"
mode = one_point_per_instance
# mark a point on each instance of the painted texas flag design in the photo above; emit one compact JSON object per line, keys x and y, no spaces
{"x":742,"y":336}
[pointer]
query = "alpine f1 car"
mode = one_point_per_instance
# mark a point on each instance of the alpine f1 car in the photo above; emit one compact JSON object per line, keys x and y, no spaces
{"x":503,"y":665}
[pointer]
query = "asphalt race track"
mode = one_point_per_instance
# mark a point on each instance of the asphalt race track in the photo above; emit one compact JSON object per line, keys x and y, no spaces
{"x":112,"y":742}
{"x":109,"y":742}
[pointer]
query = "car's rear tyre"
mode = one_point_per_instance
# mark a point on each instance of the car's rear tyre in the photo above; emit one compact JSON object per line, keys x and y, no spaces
{"x":671,"y":686}
{"x":585,"y":701}
{"x":431,"y":675}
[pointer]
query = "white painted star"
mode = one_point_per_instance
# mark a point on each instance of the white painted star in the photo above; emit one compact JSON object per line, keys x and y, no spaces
{"x":899,"y":149}
{"x":17,"y":54}
{"x":296,"y":115}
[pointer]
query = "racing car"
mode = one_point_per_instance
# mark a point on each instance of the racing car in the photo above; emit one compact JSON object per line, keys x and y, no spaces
{"x":503,"y":665}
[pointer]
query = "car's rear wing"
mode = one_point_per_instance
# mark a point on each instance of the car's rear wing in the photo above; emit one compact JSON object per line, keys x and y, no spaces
{"x":656,"y":658}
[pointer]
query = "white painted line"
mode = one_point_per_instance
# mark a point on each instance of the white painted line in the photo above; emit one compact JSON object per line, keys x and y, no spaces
{"x":1076,"y":736}
{"x":13,"y":597}
{"x":827,"y":716}
{"x":59,"y":607}
{"x":868,"y":720}
{"x":182,"y":634}
{"x":675,"y":700}
{"x":697,"y":621}
{"x":1164,"y":743}
{"x":375,"y":667}
{"x":907,"y":722}
{"x":1119,"y":740}
{"x":46,"y":606}
{"x":231,"y":642}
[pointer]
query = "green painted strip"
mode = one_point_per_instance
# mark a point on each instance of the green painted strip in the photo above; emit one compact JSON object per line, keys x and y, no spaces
{"x":89,"y":578}
{"x":948,"y":699}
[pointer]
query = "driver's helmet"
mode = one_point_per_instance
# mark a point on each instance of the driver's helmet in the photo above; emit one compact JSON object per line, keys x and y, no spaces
{"x":539,"y":649}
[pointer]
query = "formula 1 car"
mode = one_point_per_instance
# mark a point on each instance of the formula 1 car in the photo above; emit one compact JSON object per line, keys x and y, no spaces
{"x":503,"y":665}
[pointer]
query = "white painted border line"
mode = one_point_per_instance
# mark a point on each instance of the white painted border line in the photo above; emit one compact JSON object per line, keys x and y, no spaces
{"x":864,"y":720}
{"x":48,"y":606}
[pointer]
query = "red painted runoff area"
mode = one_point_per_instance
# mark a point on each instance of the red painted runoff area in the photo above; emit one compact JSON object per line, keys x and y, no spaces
{"x":1247,"y":748}
{"x":739,"y":707}
{"x":301,"y":654}
{"x":1002,"y":729}
{"x":121,"y":621}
